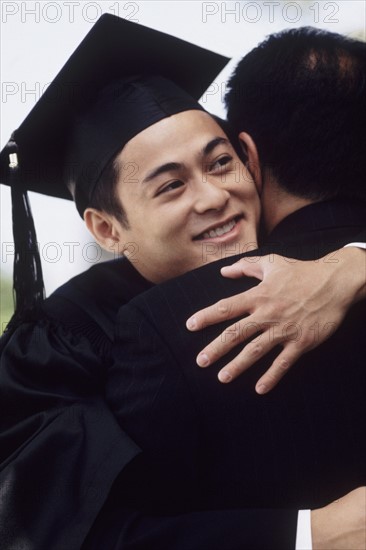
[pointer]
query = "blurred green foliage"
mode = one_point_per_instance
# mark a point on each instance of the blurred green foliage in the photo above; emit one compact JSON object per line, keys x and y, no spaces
{"x":6,"y":300}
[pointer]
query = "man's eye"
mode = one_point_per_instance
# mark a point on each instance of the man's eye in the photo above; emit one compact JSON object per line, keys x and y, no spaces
{"x":170,"y":187}
{"x":220,"y":163}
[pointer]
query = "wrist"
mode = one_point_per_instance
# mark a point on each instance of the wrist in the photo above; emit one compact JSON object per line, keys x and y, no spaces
{"x":320,"y":533}
{"x":354,"y":265}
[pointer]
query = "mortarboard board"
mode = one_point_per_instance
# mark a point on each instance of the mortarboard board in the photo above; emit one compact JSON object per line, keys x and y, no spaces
{"x":122,"y":78}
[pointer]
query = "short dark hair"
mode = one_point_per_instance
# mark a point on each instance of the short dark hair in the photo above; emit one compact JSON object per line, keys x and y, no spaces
{"x":301,"y":95}
{"x":105,"y":196}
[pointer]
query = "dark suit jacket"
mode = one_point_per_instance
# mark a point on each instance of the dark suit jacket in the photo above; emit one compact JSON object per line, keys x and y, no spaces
{"x":213,"y":446}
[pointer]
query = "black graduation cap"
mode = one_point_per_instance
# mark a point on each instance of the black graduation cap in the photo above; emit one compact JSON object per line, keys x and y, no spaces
{"x":121,"y":79}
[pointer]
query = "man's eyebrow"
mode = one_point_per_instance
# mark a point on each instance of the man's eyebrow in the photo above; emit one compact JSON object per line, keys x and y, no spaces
{"x":214,"y":143}
{"x":168,"y":167}
{"x":175,"y":166}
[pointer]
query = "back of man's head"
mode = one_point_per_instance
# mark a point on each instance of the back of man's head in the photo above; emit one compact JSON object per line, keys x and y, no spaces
{"x":301,"y":95}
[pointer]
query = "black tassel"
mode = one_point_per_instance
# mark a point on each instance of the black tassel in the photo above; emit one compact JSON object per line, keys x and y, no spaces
{"x":28,"y":287}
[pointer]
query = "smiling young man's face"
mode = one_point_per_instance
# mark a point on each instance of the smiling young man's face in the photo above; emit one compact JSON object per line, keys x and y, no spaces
{"x":187,"y":197}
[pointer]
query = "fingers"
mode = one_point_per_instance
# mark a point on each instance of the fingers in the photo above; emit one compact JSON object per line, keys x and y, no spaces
{"x":297,"y":309}
{"x":252,"y":266}
{"x":240,"y":304}
{"x":225,"y":309}
{"x":255,"y":266}
{"x":228,"y":339}
{"x":293,"y":349}
{"x":251,"y":353}
{"x":254,"y":351}
{"x":280,"y":366}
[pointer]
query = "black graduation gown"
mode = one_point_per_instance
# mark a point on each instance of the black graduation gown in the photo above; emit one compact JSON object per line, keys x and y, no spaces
{"x":207,"y":445}
{"x":60,"y":446}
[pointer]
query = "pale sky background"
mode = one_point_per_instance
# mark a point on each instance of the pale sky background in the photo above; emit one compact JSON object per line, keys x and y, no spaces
{"x":38,"y":37}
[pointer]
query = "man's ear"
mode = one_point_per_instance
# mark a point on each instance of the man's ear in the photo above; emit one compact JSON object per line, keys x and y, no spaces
{"x":105,"y":229}
{"x":250,"y":149}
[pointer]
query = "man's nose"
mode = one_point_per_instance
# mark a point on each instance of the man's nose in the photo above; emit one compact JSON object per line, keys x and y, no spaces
{"x":210,"y":196}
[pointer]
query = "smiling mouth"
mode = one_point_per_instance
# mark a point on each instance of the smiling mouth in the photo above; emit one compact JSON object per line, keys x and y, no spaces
{"x":219,"y":230}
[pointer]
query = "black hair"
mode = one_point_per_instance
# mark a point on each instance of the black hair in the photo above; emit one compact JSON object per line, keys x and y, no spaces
{"x":232,"y":137}
{"x":105,"y":196}
{"x":301,"y":95}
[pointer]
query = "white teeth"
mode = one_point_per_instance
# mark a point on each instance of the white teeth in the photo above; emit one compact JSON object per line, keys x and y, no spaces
{"x":219,"y":230}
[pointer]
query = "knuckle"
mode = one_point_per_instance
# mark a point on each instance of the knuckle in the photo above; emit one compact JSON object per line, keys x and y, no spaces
{"x":255,"y":349}
{"x":283,"y":365}
{"x":223,"y":307}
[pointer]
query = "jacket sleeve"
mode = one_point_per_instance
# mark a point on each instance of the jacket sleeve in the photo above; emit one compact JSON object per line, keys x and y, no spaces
{"x":119,"y":528}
